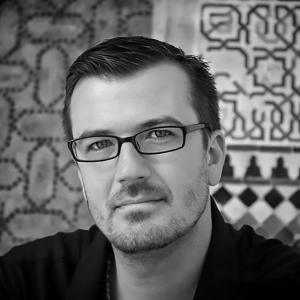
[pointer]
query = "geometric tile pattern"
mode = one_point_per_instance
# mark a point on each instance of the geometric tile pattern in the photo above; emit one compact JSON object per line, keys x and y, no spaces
{"x":295,"y":199}
{"x":270,"y":205}
{"x":222,"y":195}
{"x":254,"y":49}
{"x":248,"y":197}
{"x":258,"y":81}
{"x":281,"y":221}
{"x":40,"y":193}
{"x":274,"y":198}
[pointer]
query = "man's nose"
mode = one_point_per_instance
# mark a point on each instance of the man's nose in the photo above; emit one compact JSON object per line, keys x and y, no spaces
{"x":131,"y":165}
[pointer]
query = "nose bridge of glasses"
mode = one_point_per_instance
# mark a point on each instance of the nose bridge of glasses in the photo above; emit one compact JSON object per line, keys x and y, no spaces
{"x":129,"y":139}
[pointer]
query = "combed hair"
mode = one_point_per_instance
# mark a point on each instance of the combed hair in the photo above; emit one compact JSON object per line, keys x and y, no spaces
{"x":124,"y":56}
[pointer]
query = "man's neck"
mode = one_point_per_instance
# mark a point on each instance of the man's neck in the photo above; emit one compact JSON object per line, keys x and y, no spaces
{"x":169,"y":273}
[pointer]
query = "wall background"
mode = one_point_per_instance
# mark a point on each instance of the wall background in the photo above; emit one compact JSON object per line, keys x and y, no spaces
{"x":254,"y":49}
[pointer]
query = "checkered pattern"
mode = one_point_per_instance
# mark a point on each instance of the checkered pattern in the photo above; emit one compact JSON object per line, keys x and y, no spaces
{"x":272,"y":211}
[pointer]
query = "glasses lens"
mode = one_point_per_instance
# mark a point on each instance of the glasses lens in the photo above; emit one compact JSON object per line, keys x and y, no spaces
{"x":95,"y":148}
{"x":161,"y":139}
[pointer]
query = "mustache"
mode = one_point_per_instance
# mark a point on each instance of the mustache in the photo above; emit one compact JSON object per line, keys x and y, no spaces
{"x":142,"y":189}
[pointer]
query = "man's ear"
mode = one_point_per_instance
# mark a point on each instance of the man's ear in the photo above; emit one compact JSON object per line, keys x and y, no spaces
{"x":216,"y":155}
{"x":82,"y":184}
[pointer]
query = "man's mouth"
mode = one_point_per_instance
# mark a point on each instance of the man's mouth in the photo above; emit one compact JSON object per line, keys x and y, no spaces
{"x":139,"y":201}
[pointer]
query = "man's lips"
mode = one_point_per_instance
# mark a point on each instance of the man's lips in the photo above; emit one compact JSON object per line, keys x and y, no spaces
{"x":136,"y":201}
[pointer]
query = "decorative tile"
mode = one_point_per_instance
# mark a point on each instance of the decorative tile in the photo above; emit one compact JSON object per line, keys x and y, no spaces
{"x":40,"y":191}
{"x":228,"y":170}
{"x":286,"y":212}
{"x":28,"y":224}
{"x":226,"y":218}
{"x":280,"y":171}
{"x":257,"y":109}
{"x":260,"y":190}
{"x":214,"y":188}
{"x":261,"y":211}
{"x":253,"y":169}
{"x":295,"y":199}
{"x":248,"y":197}
{"x":246,"y":219}
{"x":222,"y":195}
{"x":266,"y":162}
{"x":295,"y":225}
{"x":274,"y":198}
{"x":239,"y":160}
{"x":234,"y":209}
{"x":286,"y":190}
{"x":293,"y":166}
{"x":235,"y":188}
{"x":273,"y":225}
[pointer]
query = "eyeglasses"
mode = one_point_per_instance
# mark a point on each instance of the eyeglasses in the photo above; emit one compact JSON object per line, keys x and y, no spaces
{"x":156,"y":140}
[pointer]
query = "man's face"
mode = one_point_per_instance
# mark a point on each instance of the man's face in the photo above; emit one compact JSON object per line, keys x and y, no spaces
{"x":141,"y":202}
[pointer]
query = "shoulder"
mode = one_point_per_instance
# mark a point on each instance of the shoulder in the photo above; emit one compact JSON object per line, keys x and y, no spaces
{"x":261,"y":259}
{"x":42,"y":269}
{"x":61,"y":245}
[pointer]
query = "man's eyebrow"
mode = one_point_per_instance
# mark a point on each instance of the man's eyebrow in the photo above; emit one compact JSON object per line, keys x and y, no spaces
{"x":95,"y":132}
{"x":163,"y":120}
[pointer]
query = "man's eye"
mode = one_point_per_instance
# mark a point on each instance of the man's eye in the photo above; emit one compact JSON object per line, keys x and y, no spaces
{"x":100,"y":145}
{"x":159,"y":133}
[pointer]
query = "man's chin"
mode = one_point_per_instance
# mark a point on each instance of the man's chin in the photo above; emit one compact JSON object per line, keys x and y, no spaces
{"x":144,"y":237}
{"x":139,"y":242}
{"x":137,"y":216}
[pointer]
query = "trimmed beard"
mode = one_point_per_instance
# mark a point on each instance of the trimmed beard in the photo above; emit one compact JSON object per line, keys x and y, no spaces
{"x":142,"y":238}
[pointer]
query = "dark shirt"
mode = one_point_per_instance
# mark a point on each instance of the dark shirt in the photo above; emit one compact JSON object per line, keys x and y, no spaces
{"x":73,"y":265}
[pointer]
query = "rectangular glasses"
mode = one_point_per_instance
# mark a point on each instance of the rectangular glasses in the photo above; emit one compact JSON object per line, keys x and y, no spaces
{"x":151,"y":141}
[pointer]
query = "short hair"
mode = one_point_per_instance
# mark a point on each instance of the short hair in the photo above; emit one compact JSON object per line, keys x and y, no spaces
{"x":119,"y":57}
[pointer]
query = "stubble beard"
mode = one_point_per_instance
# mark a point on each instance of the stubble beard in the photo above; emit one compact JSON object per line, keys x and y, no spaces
{"x":141,"y":237}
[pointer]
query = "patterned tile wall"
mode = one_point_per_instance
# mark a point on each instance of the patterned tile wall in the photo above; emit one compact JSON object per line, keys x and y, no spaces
{"x":39,"y":190}
{"x":254,"y":47}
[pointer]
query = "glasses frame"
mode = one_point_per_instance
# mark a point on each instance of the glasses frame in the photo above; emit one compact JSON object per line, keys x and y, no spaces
{"x":185,"y":130}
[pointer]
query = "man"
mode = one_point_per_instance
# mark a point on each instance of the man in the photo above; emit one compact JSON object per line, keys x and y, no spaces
{"x":143,"y":126}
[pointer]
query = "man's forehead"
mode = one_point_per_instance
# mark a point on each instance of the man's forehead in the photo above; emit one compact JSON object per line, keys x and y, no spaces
{"x":103,"y":104}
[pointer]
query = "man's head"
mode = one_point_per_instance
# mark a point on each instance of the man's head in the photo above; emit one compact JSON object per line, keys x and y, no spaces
{"x":121,"y":57}
{"x":132,"y":87}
